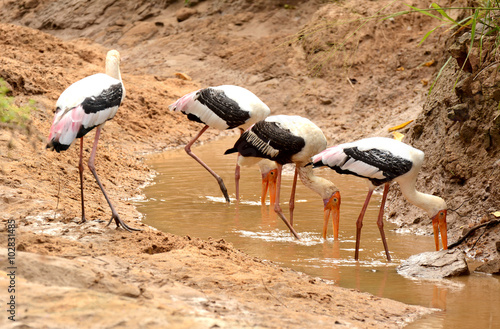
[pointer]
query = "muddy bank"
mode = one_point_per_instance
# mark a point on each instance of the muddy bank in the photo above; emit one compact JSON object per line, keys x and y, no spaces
{"x":157,"y":279}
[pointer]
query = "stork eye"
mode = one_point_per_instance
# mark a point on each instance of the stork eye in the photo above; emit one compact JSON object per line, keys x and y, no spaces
{"x":57,"y":110}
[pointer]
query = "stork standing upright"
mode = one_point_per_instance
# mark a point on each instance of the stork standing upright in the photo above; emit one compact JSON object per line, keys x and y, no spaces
{"x":223,"y":107}
{"x":383,"y":160}
{"x":83,"y":106}
{"x":291,"y":139}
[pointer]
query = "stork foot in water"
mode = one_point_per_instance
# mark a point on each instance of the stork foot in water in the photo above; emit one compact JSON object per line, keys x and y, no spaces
{"x":223,"y":107}
{"x":290,"y":139}
{"x":383,"y":160}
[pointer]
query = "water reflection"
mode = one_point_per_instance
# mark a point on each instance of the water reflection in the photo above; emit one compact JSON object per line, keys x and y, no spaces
{"x":186,"y":201}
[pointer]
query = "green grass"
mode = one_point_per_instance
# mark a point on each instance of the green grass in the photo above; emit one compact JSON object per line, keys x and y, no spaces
{"x":11,"y":115}
{"x":481,"y":18}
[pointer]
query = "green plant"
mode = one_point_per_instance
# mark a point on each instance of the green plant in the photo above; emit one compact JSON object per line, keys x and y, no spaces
{"x":12,"y":116}
{"x":482,"y":18}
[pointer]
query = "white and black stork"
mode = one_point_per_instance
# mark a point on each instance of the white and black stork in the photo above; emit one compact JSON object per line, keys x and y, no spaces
{"x":383,"y":160}
{"x":83,"y":106}
{"x":291,"y":139}
{"x":223,"y":107}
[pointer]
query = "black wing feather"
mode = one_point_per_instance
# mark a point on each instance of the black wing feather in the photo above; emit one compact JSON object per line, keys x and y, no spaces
{"x":108,"y":98}
{"x":270,"y":141}
{"x":392,"y":166}
{"x":223,"y":106}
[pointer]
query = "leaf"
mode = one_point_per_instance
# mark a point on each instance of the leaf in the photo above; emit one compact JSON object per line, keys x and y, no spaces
{"x":439,"y":74}
{"x":496,"y":214}
{"x":425,"y":12}
{"x":443,"y":13}
{"x":401,"y":126}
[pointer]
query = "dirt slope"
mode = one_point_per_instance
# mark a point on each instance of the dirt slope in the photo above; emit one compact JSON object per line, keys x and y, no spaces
{"x":378,"y":79}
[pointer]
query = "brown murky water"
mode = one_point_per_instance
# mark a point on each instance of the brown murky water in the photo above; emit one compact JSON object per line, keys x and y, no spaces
{"x":186,"y":200}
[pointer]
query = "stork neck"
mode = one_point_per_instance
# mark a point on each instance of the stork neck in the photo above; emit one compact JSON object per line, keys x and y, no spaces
{"x":320,"y":185}
{"x":113,"y":68}
{"x":430,"y":203}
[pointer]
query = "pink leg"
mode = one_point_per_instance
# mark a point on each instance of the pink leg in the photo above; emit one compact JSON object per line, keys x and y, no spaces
{"x":380,"y":221}
{"x":292,"y":196}
{"x":277,"y":207}
{"x":187,"y":148}
{"x":92,"y":169}
{"x":80,"y":169}
{"x":237,"y":176}
{"x":359,"y":222}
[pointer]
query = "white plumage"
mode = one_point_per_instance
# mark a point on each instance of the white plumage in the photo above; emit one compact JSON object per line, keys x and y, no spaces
{"x":83,"y":106}
{"x":223,"y":107}
{"x":291,"y":139}
{"x":381,"y":161}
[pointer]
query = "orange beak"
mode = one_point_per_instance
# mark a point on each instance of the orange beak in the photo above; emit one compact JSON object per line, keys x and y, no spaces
{"x":332,"y":206}
{"x":269,"y":181}
{"x":439,"y":224}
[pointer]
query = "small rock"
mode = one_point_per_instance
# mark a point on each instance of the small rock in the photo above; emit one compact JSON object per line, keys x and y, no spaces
{"x":184,"y":13}
{"x":458,"y":112}
{"x":435,"y":265}
{"x":491,"y":267}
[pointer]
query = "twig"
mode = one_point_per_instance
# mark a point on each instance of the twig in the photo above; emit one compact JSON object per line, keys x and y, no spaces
{"x":58,"y":192}
{"x":491,"y":223}
{"x":270,"y":293}
{"x":349,"y":80}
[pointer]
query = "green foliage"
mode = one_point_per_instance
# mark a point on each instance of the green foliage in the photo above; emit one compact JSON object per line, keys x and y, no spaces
{"x":482,"y":18}
{"x":11,"y":115}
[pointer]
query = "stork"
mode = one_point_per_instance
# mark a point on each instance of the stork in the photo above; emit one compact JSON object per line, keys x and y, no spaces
{"x":83,"y":106}
{"x":223,"y":107}
{"x":291,"y":139}
{"x":268,"y":170}
{"x":383,"y":160}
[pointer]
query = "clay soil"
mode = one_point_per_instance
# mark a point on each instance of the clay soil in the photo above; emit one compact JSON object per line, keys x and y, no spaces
{"x":91,"y":275}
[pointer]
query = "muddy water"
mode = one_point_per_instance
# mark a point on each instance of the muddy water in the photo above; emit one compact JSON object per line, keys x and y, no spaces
{"x":186,"y":200}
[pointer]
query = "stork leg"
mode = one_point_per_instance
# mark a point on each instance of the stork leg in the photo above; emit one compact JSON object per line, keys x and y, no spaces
{"x":237,"y":175}
{"x":187,"y":148}
{"x":80,"y":169}
{"x":277,"y":207}
{"x":359,"y":222}
{"x":92,"y":169}
{"x":292,"y":196}
{"x":380,"y":220}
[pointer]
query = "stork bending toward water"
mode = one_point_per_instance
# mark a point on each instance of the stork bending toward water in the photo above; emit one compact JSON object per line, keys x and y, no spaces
{"x":83,"y":106}
{"x":223,"y":107}
{"x":291,"y":139}
{"x":268,"y":170}
{"x":383,"y":160}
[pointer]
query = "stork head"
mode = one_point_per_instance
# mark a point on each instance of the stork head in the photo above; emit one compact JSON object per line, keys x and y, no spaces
{"x":269,"y":181}
{"x":439,"y":224}
{"x":332,"y":206}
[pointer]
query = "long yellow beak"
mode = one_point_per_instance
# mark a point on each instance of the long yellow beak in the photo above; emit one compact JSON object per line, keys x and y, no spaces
{"x":439,"y":224}
{"x":269,"y":181}
{"x":332,"y":206}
